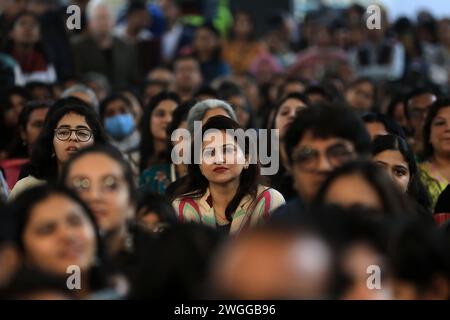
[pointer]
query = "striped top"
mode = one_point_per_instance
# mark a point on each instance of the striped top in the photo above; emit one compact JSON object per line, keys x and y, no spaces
{"x":248,"y":213}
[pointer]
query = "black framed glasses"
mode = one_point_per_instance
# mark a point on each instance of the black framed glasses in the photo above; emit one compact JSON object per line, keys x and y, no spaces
{"x":64,"y":134}
{"x":308,"y":158}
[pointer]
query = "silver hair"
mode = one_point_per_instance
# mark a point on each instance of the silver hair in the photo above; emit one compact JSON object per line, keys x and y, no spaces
{"x":199,"y":110}
{"x":83,"y":89}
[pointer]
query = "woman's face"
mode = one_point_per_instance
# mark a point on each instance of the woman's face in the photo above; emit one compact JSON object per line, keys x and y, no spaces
{"x":26,"y":30}
{"x":242,"y":25}
{"x":116,"y":107}
{"x":361,"y":96}
{"x":440,"y":131}
{"x":286,"y":114}
{"x":17,"y":103}
{"x":352,"y":190}
{"x":100,"y":182}
{"x":34,"y":125}
{"x":64,"y":149}
{"x":222,"y":160}
{"x":239,"y":104}
{"x":59,"y":234}
{"x":205,"y":41}
{"x":161,"y":117}
{"x":395,"y":165}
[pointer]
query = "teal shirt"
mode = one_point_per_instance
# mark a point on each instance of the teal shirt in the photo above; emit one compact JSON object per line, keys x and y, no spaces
{"x":157,"y":178}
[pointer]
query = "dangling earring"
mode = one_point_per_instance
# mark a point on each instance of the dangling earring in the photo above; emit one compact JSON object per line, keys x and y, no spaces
{"x":129,"y":242}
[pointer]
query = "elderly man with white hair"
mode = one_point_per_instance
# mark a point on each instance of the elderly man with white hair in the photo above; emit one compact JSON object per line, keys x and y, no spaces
{"x":101,"y":52}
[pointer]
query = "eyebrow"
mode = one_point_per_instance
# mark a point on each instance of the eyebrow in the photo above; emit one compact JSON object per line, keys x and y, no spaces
{"x":77,"y":127}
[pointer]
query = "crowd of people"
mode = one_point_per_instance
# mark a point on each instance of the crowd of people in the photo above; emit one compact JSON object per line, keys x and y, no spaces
{"x":89,"y":177}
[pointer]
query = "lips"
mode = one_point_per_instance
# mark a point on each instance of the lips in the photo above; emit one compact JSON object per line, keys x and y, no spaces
{"x":72,"y":149}
{"x":220,"y":169}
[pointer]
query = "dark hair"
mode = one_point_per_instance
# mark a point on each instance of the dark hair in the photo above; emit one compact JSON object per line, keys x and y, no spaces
{"x":29,"y":281}
{"x":19,"y":149}
{"x":111,"y":98}
{"x":419,"y":253}
{"x":111,"y":152}
{"x":394,"y":203}
{"x":135,"y":6}
{"x":43,"y":165}
{"x":317,"y":89}
{"x":176,"y":265}
{"x":289,"y":80}
{"x":206,"y":90}
{"x":416,"y":189}
{"x":9,"y":43}
{"x":393,"y":104}
{"x":178,"y":116}
{"x":158,"y":204}
{"x":428,"y":149}
{"x":362,"y":80}
{"x":390,"y":125}
{"x":186,"y":56}
{"x":195,"y":184}
{"x":216,"y":54}
{"x":326,"y":121}
{"x":147,"y":146}
{"x":24,"y":204}
{"x":297,"y":96}
{"x":247,"y":13}
{"x":417,"y":92}
{"x":229,"y":89}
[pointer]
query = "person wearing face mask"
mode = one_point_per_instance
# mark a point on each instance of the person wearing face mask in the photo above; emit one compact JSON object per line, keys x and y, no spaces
{"x":119,"y":120}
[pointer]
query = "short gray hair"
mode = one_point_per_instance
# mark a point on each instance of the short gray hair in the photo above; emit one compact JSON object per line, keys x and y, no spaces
{"x":199,"y":110}
{"x":82,"y":89}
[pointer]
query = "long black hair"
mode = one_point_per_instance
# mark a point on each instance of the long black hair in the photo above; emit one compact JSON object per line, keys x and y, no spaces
{"x":195,"y":185}
{"x":147,"y":145}
{"x":22,"y":208}
{"x":416,"y":189}
{"x":43,"y":165}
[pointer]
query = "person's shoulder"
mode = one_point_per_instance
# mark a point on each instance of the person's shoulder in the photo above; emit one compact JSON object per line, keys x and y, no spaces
{"x":24,"y":184}
{"x":264,"y":191}
{"x":290,"y":212}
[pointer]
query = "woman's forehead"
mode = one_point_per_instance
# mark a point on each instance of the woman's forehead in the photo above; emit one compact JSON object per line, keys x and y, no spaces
{"x":217,"y":137}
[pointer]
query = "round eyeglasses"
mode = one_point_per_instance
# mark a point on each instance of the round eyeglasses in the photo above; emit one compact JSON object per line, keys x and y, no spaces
{"x":308,"y":158}
{"x":64,"y":134}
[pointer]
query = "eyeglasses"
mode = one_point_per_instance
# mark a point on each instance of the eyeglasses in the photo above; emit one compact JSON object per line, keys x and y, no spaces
{"x":64,"y":134}
{"x":108,"y":184}
{"x":308,"y":158}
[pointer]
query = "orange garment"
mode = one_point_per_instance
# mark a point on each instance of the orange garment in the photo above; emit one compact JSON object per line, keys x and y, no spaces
{"x":240,"y":55}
